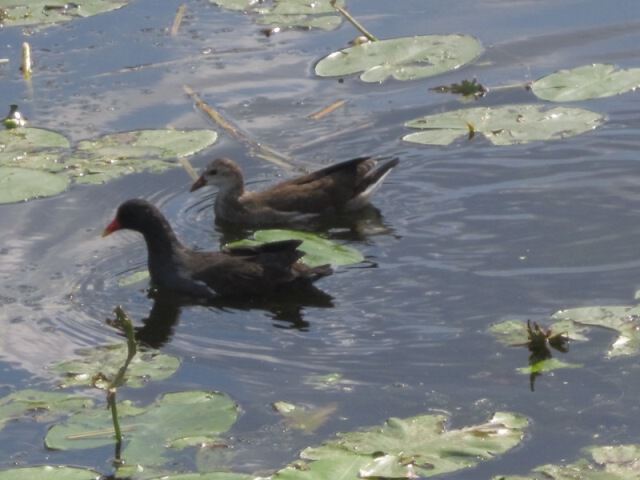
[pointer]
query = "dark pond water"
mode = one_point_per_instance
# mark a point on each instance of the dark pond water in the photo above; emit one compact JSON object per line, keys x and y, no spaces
{"x":474,"y":233}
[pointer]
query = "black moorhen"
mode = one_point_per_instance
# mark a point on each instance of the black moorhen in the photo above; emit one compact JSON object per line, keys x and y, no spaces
{"x":345,"y":186}
{"x":243,"y":271}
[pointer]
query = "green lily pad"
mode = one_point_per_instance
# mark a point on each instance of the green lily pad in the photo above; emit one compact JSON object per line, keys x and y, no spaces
{"x":318,"y":250}
{"x":111,"y":156}
{"x":307,"y":419}
{"x":408,"y":448}
{"x":41,"y":406}
{"x":240,"y":5}
{"x":20,"y":184}
{"x":133,"y":278}
{"x":147,"y":365}
{"x":507,"y":125}
{"x":514,"y":332}
{"x":49,"y":473}
{"x":32,"y":148}
{"x":174,"y":421}
{"x":207,"y":476}
{"x":321,"y":22}
{"x":35,"y":12}
{"x":407,"y":58}
{"x":623,"y":319}
{"x":586,"y":82}
{"x":547,"y":365}
{"x":288,"y":13}
{"x":618,"y":462}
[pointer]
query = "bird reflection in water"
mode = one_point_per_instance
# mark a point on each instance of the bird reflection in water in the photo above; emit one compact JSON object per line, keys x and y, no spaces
{"x":287,"y":309}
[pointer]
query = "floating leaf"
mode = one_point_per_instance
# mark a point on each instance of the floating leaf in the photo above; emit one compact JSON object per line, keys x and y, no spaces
{"x":52,"y":11}
{"x":133,"y":278}
{"x":547,"y":365}
{"x":514,"y":332}
{"x":20,"y":184}
{"x":307,"y":419}
{"x":623,"y":319}
{"x":586,"y":82}
{"x":147,"y":365}
{"x":507,"y":125}
{"x":322,"y":22}
{"x":289,"y":13}
{"x":207,"y":476}
{"x":606,"y":463}
{"x":111,"y":156}
{"x":49,"y":473}
{"x":318,"y":250}
{"x":240,"y":5}
{"x":174,"y":421}
{"x":32,"y":148}
{"x":42,"y":406}
{"x":409,"y":448}
{"x":407,"y":58}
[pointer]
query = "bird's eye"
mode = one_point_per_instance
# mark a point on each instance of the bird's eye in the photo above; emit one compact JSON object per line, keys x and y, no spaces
{"x":213,"y":171}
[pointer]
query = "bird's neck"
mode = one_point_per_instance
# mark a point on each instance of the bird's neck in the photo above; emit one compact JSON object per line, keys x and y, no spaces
{"x":161,"y":239}
{"x":229,"y":195}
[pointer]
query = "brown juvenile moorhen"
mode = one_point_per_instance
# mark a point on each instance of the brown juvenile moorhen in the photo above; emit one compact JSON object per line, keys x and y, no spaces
{"x":246,"y":271}
{"x":346,"y":186}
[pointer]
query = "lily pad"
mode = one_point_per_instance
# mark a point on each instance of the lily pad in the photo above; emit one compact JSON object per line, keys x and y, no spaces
{"x":307,"y":419}
{"x":289,"y":13}
{"x":133,"y":278}
{"x":111,"y":156}
{"x":408,"y":448}
{"x":514,"y":332}
{"x":507,"y":125}
{"x":174,"y":421}
{"x":207,"y":476}
{"x":547,"y":365}
{"x":586,"y":82}
{"x":41,"y":406}
{"x":32,"y":148}
{"x":616,"y":462}
{"x":49,"y":473}
{"x":623,"y":319}
{"x":321,"y":22}
{"x":318,"y":250}
{"x":240,"y":5}
{"x":147,"y":365}
{"x":20,"y":184}
{"x":406,"y":58}
{"x":35,"y":12}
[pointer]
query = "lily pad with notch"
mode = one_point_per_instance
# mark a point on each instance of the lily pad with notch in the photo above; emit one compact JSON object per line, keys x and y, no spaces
{"x":406,"y":58}
{"x":146,"y":366}
{"x":318,"y":250}
{"x":586,"y":82}
{"x":408,"y":448}
{"x":173,"y":422}
{"x":506,"y":125}
{"x":625,"y":320}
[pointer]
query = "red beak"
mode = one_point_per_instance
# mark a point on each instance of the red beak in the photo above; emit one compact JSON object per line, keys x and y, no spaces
{"x":112,"y":227}
{"x":199,"y":183}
